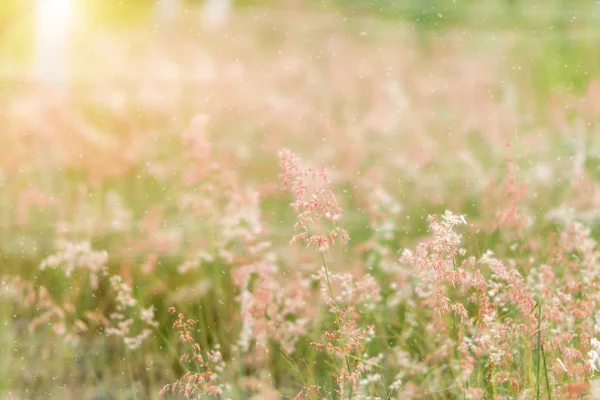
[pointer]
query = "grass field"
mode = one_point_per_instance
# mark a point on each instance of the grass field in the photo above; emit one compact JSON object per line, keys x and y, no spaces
{"x":394,"y":201}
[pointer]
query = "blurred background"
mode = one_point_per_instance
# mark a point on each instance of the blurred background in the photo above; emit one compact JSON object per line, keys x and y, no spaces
{"x":59,"y":40}
{"x":28,"y":28}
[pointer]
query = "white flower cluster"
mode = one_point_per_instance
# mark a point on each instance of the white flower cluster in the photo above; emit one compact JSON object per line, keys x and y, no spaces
{"x":77,"y":256}
{"x":594,"y":353}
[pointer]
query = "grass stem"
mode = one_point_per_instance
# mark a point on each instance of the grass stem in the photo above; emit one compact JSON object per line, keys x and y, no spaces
{"x":539,"y":346}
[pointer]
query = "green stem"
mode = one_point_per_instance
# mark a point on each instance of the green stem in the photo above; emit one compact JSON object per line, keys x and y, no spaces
{"x":539,"y":346}
{"x":546,"y":373}
{"x":130,"y":373}
{"x":457,"y":350}
{"x":337,"y":316}
{"x":330,"y":295}
{"x":327,"y":275}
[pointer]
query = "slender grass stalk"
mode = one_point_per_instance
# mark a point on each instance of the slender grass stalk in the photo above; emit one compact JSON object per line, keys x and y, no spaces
{"x":456,"y":350}
{"x":492,"y":367}
{"x":130,"y":373}
{"x":337,"y":319}
{"x":330,"y":295}
{"x":294,"y":366}
{"x":539,"y":346}
{"x":546,"y":373}
{"x":150,"y":373}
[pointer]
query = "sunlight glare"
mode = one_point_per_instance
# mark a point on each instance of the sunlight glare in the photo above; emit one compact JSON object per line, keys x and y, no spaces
{"x":54,"y":16}
{"x":53,"y":23}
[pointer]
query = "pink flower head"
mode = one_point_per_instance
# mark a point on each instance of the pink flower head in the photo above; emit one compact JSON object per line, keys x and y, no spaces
{"x":315,"y":204}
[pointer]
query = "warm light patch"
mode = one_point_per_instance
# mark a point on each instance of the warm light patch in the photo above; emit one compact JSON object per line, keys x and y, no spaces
{"x":54,"y":16}
{"x":53,"y":24}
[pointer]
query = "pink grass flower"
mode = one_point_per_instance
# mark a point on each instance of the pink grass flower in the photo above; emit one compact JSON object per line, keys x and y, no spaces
{"x":316,"y":207}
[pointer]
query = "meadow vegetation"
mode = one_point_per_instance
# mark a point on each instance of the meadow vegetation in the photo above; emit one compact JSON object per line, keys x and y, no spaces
{"x":308,"y":203}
